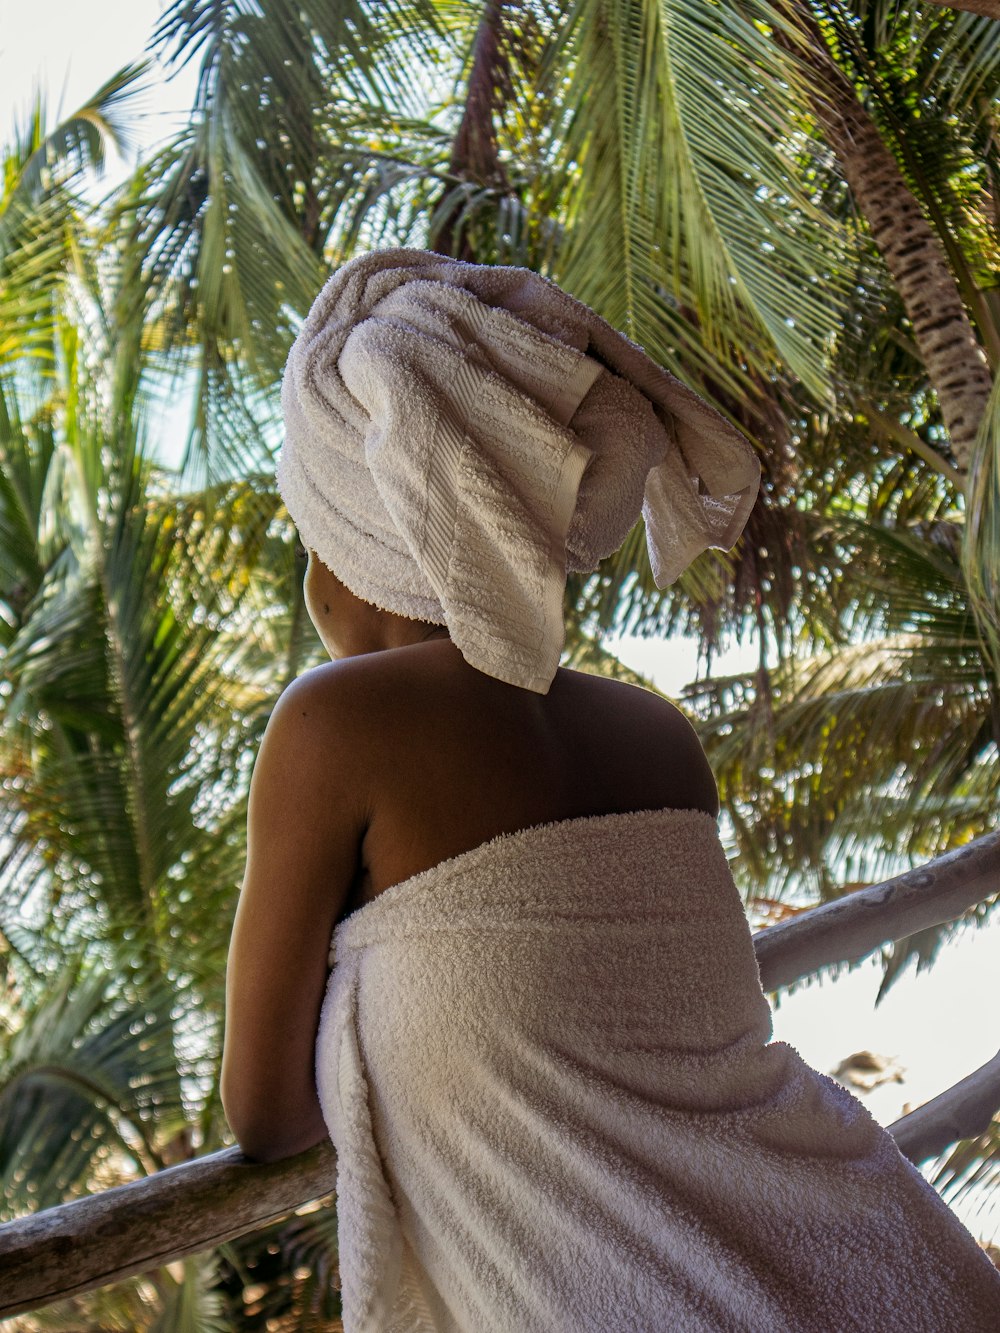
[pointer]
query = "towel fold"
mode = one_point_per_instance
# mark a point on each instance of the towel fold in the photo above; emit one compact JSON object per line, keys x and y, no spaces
{"x":546,"y":1069}
{"x":457,"y":437}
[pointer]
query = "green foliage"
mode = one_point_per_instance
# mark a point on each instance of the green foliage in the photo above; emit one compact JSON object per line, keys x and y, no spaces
{"x":41,"y":220}
{"x":981,"y":545}
{"x":689,"y":226}
{"x":89,"y":1082}
{"x":663,"y":161}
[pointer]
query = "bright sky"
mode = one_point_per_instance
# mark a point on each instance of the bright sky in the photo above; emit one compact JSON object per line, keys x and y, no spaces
{"x":940,"y":1026}
{"x":69,"y":49}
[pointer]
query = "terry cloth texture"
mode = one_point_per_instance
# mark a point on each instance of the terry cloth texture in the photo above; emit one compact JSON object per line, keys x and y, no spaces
{"x":546,"y":1070}
{"x":457,"y":437}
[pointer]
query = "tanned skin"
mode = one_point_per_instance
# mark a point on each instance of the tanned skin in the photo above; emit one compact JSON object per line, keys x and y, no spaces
{"x":393,"y":757}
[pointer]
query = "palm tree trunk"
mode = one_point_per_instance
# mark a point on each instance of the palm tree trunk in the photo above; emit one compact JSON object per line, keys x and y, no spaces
{"x":948,"y":345}
{"x":474,"y":152}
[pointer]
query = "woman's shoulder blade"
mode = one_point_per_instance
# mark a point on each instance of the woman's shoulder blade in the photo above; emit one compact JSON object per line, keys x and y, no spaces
{"x":423,"y":709}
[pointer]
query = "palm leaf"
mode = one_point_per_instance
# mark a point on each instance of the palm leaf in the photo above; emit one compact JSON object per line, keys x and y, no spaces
{"x":981,"y":544}
{"x":681,"y":131}
{"x":972,"y":1164}
{"x":48,"y":161}
{"x":88,"y":1076}
{"x":191,"y":1304}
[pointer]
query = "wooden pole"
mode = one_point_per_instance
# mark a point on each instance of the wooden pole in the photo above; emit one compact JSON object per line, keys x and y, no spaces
{"x":847,"y":930}
{"x":141,"y":1226}
{"x":962,"y":1112}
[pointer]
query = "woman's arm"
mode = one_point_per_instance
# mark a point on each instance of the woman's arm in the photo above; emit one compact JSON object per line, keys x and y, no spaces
{"x":307,"y":815}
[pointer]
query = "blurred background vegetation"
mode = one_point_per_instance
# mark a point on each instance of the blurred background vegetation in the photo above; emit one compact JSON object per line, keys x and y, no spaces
{"x":793,"y":206}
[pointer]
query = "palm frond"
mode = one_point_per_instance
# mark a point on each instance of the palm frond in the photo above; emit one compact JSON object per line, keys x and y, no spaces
{"x":192,"y":1303}
{"x":287,"y":1271}
{"x":898,"y":721}
{"x":981,"y":544}
{"x":50,"y":159}
{"x":972,"y":1164}
{"x":89,"y":1077}
{"x":687,"y":187}
{"x":119,"y":666}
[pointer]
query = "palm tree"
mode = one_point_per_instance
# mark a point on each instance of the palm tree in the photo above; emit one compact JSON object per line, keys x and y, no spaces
{"x":611,"y":147}
{"x":141,"y":630}
{"x":690,"y":172}
{"x":883,"y":92}
{"x":582,"y":148}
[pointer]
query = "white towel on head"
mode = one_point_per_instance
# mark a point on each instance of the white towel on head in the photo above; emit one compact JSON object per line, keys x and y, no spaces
{"x":458,"y":436}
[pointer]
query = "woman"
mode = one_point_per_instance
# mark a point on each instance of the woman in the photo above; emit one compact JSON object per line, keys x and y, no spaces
{"x":539,"y":1044}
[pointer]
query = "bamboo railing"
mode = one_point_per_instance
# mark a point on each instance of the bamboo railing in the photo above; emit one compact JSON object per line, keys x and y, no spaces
{"x":182,"y":1210}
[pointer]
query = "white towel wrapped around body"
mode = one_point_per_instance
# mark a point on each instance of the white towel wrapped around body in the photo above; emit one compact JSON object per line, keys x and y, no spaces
{"x":546,"y":1068}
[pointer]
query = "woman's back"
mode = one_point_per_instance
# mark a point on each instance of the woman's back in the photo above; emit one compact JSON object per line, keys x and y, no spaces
{"x":451,"y":757}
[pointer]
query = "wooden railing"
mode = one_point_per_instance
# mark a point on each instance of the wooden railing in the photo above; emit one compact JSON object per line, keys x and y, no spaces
{"x":141,"y":1226}
{"x":138,"y":1227}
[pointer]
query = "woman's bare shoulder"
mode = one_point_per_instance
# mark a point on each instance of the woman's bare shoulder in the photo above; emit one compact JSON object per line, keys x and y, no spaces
{"x":653,"y":736}
{"x":422,"y":708}
{"x":625,"y":698}
{"x":352,"y":691}
{"x":376,"y":706}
